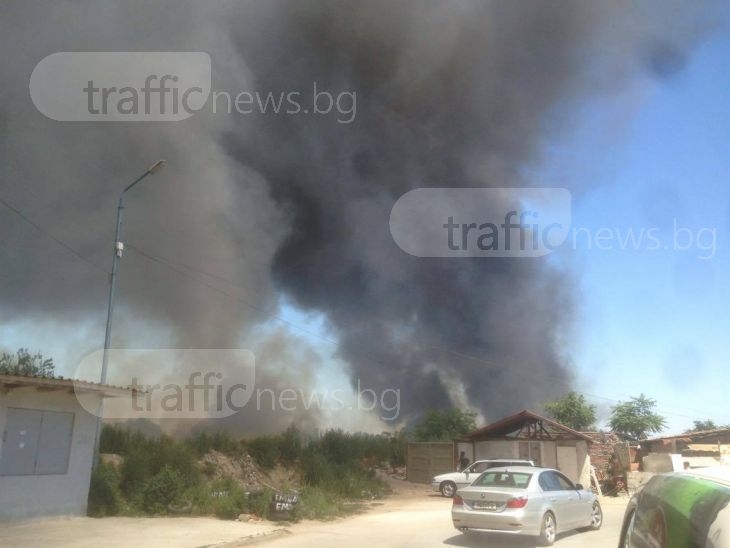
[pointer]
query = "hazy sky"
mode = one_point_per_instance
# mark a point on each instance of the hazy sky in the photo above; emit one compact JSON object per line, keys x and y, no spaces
{"x":655,"y":321}
{"x":646,"y":160}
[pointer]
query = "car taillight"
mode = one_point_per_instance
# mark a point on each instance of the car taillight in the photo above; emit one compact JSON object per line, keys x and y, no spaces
{"x":518,"y":502}
{"x":457,"y":501}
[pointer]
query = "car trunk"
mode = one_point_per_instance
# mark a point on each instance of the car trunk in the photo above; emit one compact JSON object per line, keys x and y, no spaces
{"x":490,"y":500}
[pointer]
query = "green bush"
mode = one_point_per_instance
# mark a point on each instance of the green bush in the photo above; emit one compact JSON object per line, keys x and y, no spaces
{"x":316,"y":503}
{"x":264,"y":450}
{"x":343,"y":478}
{"x":290,"y":445}
{"x":229,"y":500}
{"x":162,"y":475}
{"x":259,"y":503}
{"x":105,"y":497}
{"x":148,"y":457}
{"x":223,"y":443}
{"x":162,"y":491}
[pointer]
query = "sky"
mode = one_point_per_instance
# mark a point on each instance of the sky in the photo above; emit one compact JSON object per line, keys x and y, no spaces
{"x":652,"y":314}
{"x":647,"y":163}
{"x":655,"y":320}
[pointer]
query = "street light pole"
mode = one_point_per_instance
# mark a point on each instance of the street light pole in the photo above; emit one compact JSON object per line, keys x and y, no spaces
{"x":118,"y":249}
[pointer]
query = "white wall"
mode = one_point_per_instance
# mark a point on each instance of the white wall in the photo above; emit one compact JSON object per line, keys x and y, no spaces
{"x":549,"y":455}
{"x":584,"y":464}
{"x":58,"y":494}
{"x":496,"y":449}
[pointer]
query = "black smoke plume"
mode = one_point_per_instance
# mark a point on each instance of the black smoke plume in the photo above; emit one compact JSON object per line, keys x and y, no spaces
{"x":255,"y":207}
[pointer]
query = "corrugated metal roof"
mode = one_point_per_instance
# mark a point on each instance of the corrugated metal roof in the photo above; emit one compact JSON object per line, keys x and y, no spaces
{"x":690,"y":435}
{"x":106,"y":390}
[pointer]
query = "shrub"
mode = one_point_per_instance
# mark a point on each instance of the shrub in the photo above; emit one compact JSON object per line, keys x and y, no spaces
{"x":290,"y":445}
{"x":136,"y":470}
{"x":230,"y":500}
{"x":259,"y":503}
{"x":264,"y":450}
{"x":348,"y":479}
{"x":105,"y":497}
{"x":223,"y":443}
{"x":315,"y":503}
{"x":163,"y":490}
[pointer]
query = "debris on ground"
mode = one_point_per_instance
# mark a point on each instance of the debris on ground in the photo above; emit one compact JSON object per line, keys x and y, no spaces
{"x":246,"y":473}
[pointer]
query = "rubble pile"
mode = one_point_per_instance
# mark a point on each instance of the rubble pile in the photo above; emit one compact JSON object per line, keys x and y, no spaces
{"x":242,"y":470}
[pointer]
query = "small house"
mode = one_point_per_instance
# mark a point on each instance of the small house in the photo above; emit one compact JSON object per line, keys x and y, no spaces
{"x":47,"y":444}
{"x":529,"y":436}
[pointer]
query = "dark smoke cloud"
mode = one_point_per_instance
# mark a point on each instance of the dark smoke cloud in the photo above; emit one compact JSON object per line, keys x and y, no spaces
{"x":448,"y":94}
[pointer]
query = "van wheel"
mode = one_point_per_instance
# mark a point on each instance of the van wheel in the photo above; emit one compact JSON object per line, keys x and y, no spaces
{"x":448,"y":488}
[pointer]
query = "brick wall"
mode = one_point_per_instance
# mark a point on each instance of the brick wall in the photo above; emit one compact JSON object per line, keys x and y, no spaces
{"x":602,"y":454}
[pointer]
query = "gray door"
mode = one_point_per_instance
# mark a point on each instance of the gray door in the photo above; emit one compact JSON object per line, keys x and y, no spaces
{"x":20,"y":442}
{"x":568,"y":462}
{"x":54,"y":445}
{"x":36,"y":442}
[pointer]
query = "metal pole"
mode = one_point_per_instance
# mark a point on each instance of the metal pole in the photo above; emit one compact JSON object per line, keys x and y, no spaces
{"x":118,"y":249}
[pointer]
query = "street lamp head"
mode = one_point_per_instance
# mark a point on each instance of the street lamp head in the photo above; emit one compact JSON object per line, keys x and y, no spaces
{"x":156,"y":166}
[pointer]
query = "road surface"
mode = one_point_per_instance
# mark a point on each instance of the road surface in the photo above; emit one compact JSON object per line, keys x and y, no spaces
{"x":426,"y":521}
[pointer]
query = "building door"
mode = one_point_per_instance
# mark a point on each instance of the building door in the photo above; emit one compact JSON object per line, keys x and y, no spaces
{"x":568,"y":462}
{"x":530,"y":450}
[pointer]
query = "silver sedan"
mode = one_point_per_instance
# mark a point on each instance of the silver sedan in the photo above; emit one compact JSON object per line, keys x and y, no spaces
{"x":523,"y":500}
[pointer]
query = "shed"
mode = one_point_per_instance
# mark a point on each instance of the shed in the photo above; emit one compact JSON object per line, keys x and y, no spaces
{"x":527,"y":435}
{"x":47,"y":446}
{"x":704,"y":440}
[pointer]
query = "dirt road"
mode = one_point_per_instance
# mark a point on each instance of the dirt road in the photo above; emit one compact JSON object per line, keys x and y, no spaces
{"x":419,"y":518}
{"x":412,"y":517}
{"x":124,"y":532}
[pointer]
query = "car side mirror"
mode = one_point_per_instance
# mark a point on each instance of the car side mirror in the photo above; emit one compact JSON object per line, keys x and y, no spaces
{"x":579,"y":486}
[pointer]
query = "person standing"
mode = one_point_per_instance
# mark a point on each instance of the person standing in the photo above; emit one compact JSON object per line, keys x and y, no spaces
{"x":463,"y":461}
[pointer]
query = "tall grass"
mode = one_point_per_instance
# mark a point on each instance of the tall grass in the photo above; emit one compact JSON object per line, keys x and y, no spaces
{"x":162,"y":475}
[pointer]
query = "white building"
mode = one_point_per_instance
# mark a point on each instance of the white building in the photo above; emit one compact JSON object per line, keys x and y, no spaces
{"x":47,"y":445}
{"x":527,"y":435}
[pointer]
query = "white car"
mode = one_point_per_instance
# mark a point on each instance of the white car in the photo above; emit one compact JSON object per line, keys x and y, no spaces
{"x":447,"y":484}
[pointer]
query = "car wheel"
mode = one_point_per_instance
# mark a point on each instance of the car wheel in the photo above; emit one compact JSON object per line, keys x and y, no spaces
{"x":448,"y":488}
{"x":596,"y":517}
{"x":628,"y":530}
{"x":548,"y":530}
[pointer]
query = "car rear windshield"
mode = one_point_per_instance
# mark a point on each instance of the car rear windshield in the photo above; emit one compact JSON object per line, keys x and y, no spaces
{"x":503,"y":479}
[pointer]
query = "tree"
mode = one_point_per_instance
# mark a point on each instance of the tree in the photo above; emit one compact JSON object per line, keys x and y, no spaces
{"x":636,"y":418}
{"x":438,"y":425}
{"x":573,"y":411}
{"x":25,"y":363}
{"x":699,"y":426}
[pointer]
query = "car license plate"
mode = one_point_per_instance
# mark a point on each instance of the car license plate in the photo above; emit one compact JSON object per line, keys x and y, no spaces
{"x":488,"y":506}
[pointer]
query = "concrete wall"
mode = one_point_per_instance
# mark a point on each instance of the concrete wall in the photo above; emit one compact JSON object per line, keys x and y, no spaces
{"x":548,"y":455}
{"x":426,"y":460}
{"x":582,"y":471}
{"x":57,"y":494}
{"x":584,"y":463}
{"x":635,"y":479}
{"x":496,"y":449}
{"x":501,"y":449}
{"x":657,"y":463}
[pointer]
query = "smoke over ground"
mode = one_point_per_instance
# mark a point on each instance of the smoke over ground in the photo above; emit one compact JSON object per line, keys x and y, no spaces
{"x":448,"y":95}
